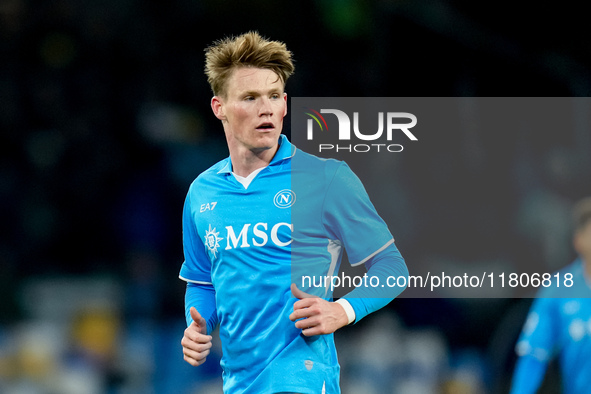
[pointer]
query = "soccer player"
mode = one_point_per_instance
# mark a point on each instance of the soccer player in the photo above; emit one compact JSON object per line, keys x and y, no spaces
{"x":238,"y":237}
{"x":559,"y":322}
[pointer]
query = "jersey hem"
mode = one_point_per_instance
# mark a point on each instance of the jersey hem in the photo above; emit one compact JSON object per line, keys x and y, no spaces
{"x":290,"y":389}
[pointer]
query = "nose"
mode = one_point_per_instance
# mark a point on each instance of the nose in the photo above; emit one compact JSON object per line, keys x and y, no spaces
{"x":265,"y":109}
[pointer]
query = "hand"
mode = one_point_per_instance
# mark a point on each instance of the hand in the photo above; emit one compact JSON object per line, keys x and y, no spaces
{"x":196,"y":343}
{"x":319,"y":316}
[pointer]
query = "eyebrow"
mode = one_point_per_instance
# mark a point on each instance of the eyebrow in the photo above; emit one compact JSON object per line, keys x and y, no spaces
{"x":258,"y":92}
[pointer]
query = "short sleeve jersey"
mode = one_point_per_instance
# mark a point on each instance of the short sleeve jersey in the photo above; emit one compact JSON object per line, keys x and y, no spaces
{"x":240,"y":240}
{"x":559,"y":324}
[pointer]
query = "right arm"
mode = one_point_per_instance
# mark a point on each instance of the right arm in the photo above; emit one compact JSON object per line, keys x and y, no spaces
{"x":529,"y":374}
{"x":200,"y":307}
{"x":535,"y":346}
{"x":196,"y":342}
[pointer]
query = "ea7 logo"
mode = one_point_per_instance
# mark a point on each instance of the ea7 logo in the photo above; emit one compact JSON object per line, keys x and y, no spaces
{"x":345,"y":124}
{"x":208,"y":207}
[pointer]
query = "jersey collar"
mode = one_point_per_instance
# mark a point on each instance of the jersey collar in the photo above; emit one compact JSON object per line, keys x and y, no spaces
{"x":286,"y":151}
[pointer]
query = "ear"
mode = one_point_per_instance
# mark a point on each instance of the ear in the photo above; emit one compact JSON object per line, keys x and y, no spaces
{"x":217,"y":106}
{"x":285,"y":99}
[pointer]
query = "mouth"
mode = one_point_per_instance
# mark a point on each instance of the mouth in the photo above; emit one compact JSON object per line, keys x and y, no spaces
{"x":267,"y":126}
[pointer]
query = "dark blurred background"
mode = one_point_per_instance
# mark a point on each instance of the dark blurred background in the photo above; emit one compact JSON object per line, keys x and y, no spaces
{"x":105,"y":121}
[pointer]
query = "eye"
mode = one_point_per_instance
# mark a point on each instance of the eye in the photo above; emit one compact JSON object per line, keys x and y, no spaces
{"x":248,"y":98}
{"x":275,"y":96}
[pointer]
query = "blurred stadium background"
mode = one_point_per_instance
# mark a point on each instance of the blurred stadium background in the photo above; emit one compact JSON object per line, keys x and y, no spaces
{"x":105,"y":120}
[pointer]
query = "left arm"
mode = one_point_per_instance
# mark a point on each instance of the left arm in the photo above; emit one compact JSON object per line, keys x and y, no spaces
{"x":354,"y":221}
{"x":324,"y":317}
{"x":386,"y":266}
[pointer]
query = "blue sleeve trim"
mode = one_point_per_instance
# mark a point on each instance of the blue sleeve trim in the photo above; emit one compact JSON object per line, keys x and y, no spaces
{"x":202,"y":297}
{"x":385,"y":264}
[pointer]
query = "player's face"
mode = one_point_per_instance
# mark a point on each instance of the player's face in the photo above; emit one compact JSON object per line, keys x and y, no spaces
{"x":252,"y":111}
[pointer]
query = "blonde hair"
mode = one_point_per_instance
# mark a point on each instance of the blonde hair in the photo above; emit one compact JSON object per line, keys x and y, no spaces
{"x":246,"y":50}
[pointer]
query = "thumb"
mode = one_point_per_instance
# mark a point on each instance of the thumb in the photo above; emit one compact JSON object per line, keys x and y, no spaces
{"x":297,"y":293}
{"x":197,"y":318}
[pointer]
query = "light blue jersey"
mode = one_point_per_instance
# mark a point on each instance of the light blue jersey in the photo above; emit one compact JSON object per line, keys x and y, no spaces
{"x":238,"y":244}
{"x":558,"y":325}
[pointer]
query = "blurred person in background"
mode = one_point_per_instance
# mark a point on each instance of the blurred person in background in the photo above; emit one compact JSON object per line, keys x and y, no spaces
{"x":559,"y":322}
{"x":238,"y":236}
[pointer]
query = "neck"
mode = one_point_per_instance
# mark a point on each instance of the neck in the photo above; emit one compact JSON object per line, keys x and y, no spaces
{"x":246,"y":161}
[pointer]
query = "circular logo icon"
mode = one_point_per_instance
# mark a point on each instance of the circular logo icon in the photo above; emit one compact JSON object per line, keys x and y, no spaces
{"x":284,"y":198}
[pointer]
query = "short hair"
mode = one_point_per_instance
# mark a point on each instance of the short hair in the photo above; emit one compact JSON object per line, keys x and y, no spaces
{"x":246,"y":50}
{"x":582,"y":213}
